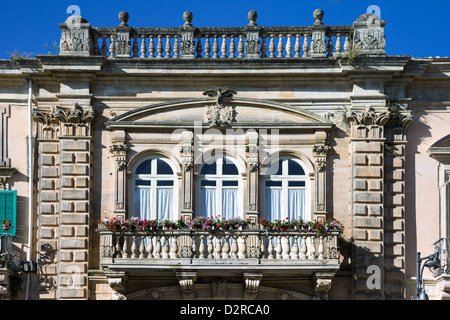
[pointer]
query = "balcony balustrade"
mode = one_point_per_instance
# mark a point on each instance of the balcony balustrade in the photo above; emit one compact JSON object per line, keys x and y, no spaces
{"x":207,"y":248}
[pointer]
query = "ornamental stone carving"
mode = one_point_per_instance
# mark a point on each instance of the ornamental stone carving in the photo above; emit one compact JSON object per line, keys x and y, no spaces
{"x":220,"y":115}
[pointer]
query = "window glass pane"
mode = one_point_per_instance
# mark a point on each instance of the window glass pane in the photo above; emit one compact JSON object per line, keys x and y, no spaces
{"x":143,"y":182}
{"x":273,"y":183}
{"x":297,"y":183}
{"x":228,"y":168}
{"x":209,"y":168}
{"x":163,"y":167}
{"x":229,"y":203}
{"x":295,"y":169}
{"x":145,"y":167}
{"x":208,"y":183}
{"x":208,"y":203}
{"x":230,"y":183}
{"x":165,"y":204}
{"x":162,"y":183}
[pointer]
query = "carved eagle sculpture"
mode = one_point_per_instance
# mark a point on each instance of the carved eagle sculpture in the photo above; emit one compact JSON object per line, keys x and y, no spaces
{"x":219,"y":94}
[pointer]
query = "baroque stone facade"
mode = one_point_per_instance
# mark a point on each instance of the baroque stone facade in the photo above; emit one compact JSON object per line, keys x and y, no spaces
{"x":122,"y":109}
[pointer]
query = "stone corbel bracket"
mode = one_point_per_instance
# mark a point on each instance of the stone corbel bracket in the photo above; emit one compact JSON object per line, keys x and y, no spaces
{"x":187,"y":281}
{"x":251,"y":282}
{"x":117,"y":282}
{"x":322,"y":284}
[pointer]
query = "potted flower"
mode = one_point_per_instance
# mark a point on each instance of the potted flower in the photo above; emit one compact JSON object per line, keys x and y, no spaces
{"x":4,"y":258}
{"x":6,"y":224}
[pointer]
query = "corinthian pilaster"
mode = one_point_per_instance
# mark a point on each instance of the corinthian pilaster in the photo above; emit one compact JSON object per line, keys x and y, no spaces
{"x":187,"y":155}
{"x":119,"y":154}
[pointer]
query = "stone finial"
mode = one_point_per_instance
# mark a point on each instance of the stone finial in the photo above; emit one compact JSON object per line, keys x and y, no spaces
{"x":187,"y":17}
{"x":252,"y":16}
{"x":318,"y":16}
{"x":123,"y":17}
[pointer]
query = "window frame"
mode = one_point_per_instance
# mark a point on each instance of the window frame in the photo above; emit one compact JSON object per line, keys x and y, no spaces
{"x":153,"y":178}
{"x":285,"y":179}
{"x":219,"y":179}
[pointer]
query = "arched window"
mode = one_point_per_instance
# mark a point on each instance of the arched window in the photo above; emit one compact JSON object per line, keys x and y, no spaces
{"x":220,"y":184}
{"x":154,"y":185}
{"x":286,"y":190}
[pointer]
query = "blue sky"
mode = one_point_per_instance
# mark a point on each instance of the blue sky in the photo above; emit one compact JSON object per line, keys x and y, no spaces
{"x":415,"y":28}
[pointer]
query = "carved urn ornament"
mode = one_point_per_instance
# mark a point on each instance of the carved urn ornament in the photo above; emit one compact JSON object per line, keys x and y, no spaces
{"x":123,"y":17}
{"x":318,"y":16}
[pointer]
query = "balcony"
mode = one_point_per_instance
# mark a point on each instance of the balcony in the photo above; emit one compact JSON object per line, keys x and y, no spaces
{"x":248,"y":252}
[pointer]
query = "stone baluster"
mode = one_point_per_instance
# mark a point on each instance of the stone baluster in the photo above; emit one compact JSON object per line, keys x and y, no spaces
{"x":279,"y":249}
{"x":118,"y":247}
{"x":226,"y":248}
{"x":210,"y":247}
{"x":297,"y":47}
{"x":194,"y":247}
{"x":174,"y":248}
{"x":330,"y":46}
{"x":112,"y":46}
{"x":272,"y":46}
{"x":288,"y":46}
{"x":143,"y":47}
{"x":338,"y":46}
{"x":263,"y":46}
{"x":235,"y":249}
{"x":241,"y":47}
{"x":160,"y":47}
{"x":304,"y":249}
{"x":150,"y":247}
{"x":176,"y":47}
{"x":104,"y":48}
{"x":207,"y":47}
{"x":286,"y":247}
{"x":133,"y":247}
{"x":135,"y":49}
{"x":305,"y":45}
{"x":202,"y":251}
{"x":216,"y":47}
{"x":271,"y":248}
{"x":321,"y":248}
{"x":243,"y":247}
{"x":166,"y":248}
{"x":232,"y":47}
{"x":158,"y":248}
{"x":125,"y":247}
{"x":151,"y":47}
{"x":347,"y":42}
{"x":295,"y":248}
{"x":312,"y":248}
{"x":218,"y":247}
{"x":168,"y":48}
{"x":198,"y":47}
{"x":280,"y":47}
{"x":224,"y":48}
{"x":262,"y":246}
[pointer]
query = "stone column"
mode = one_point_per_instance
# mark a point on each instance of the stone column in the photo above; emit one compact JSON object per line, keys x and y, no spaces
{"x":252,"y":176}
{"x":320,"y":152}
{"x":75,"y":202}
{"x":366,"y":147}
{"x":48,"y":201}
{"x":119,"y":153}
{"x":394,"y":203}
{"x":187,"y":155}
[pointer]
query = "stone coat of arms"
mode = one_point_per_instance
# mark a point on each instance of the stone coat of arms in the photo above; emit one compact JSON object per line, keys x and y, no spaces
{"x":220,"y":115}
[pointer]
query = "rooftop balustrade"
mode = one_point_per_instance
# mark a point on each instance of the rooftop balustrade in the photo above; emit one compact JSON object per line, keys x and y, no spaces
{"x":364,"y":36}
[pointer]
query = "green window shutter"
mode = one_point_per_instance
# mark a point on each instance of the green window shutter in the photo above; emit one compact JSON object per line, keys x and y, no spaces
{"x":8,"y":210}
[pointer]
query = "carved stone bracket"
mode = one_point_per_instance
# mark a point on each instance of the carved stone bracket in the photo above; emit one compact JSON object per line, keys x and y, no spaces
{"x":252,"y":282}
{"x":322,"y":284}
{"x":117,"y":282}
{"x":187,"y":281}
